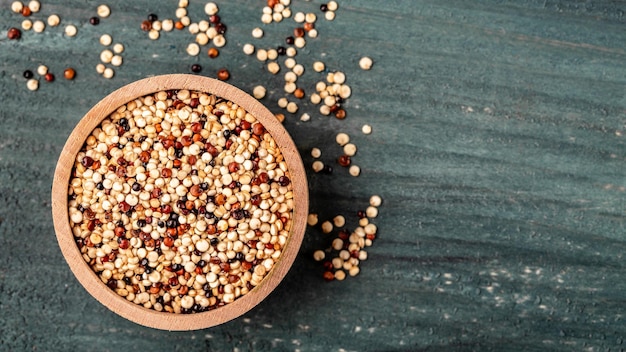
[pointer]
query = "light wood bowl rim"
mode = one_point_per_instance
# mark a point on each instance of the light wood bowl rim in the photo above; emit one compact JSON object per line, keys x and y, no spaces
{"x":88,"y":278}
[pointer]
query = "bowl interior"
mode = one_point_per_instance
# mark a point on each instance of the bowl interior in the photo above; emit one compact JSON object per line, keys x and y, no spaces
{"x":84,"y":273}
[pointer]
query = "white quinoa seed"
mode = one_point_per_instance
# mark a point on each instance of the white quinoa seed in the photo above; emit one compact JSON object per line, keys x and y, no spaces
{"x":183,"y":3}
{"x":266,"y":18}
{"x":292,"y":107}
{"x":339,"y":77}
{"x":365,"y":63}
{"x":27,"y":25}
{"x":337,"y":244}
{"x":180,"y":12}
{"x":339,"y":220}
{"x":327,"y":227}
{"x":34,"y":6}
{"x":298,"y":17}
{"x":305,"y":117}
{"x":312,"y":33}
{"x":248,"y":49}
{"x":118,"y":48}
{"x":39,"y":26}
{"x":261,"y":55}
{"x":319,"y":255}
{"x":340,"y":275}
{"x":53,"y":20}
{"x":371,"y":212}
{"x":116,"y":60}
{"x":103,"y":11}
{"x":273,"y":67}
{"x":193,"y":49}
{"x":17,"y":6}
{"x":366,"y":129}
{"x":298,"y":70}
{"x":354,"y":170}
{"x":312,"y":219}
{"x":154,"y":34}
{"x":329,"y":15}
{"x":42,"y":70}
{"x":325,"y":110}
{"x":203,"y":25}
{"x":106,"y":40}
{"x":291,"y":51}
{"x":342,"y":138}
{"x":157,"y":25}
{"x":317,"y":166}
{"x":318,"y":66}
{"x":332,"y":5}
{"x":167,"y":25}
{"x":210,"y":8}
{"x":100,"y":68}
{"x":106,"y":55}
{"x":349,"y":149}
{"x":310,"y":17}
{"x":316,"y":153}
{"x":282,"y":102}
{"x":32,"y":84}
{"x":291,"y":77}
{"x":354,"y":271}
{"x":108,"y":73}
{"x":299,"y":42}
{"x":277,"y":17}
{"x":202,"y":39}
{"x":257,"y":32}
{"x":259,"y":92}
{"x":376,"y":201}
{"x":290,"y":87}
{"x":193,"y":28}
{"x":290,"y":63}
{"x":315,"y":98}
{"x":70,"y":30}
{"x":272,"y":54}
{"x":185,"y":20}
{"x":219,"y":41}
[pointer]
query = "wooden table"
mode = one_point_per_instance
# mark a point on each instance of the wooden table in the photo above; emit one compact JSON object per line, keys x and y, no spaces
{"x":498,"y":148}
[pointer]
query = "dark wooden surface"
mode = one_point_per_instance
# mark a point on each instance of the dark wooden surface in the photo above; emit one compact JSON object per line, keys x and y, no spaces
{"x":498,"y":149}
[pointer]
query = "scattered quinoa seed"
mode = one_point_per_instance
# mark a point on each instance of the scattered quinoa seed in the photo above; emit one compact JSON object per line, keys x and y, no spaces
{"x":108,"y":73}
{"x":316,"y":153}
{"x":32,"y":84}
{"x":14,"y":33}
{"x":34,"y":6}
{"x":42,"y":70}
{"x":342,"y":138}
{"x":223,"y":74}
{"x":319,"y":255}
{"x":53,"y":20}
{"x":103,"y":11}
{"x":354,"y":170}
{"x":327,"y":227}
{"x":70,"y":30}
{"x":106,"y":40}
{"x":69,"y":73}
{"x":27,"y":24}
{"x":39,"y":26}
{"x":339,"y":221}
{"x":366,"y":129}
{"x":259,"y":92}
{"x":365,"y":63}
{"x":376,"y":201}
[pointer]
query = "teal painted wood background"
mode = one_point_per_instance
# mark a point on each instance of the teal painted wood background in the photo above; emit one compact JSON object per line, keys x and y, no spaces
{"x":498,"y":148}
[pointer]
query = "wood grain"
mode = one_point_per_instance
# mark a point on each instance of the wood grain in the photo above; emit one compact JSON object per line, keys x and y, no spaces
{"x":88,"y":278}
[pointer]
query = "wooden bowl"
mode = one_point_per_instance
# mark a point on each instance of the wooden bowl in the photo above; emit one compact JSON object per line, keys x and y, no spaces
{"x":85,"y":274}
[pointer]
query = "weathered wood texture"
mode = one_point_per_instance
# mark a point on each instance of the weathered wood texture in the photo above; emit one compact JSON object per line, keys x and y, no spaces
{"x":498,"y":149}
